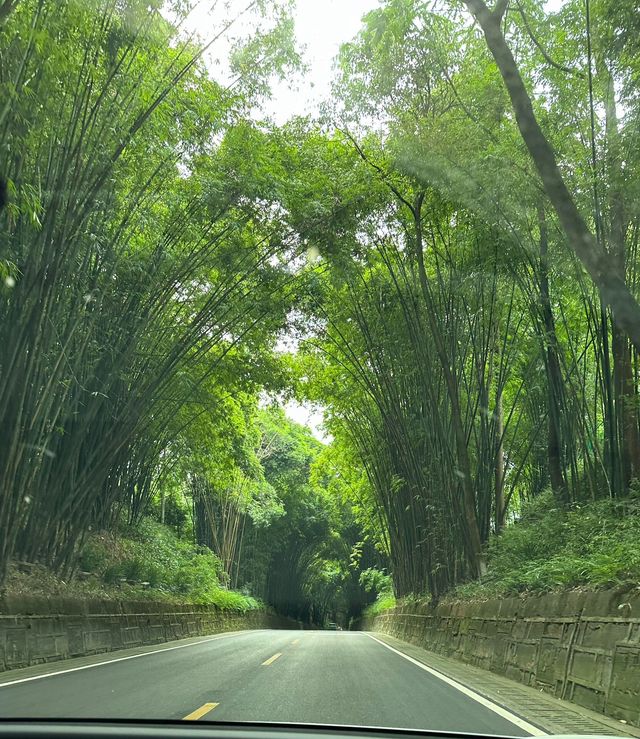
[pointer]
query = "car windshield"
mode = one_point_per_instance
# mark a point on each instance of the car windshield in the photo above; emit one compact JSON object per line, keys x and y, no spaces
{"x":320,"y":363}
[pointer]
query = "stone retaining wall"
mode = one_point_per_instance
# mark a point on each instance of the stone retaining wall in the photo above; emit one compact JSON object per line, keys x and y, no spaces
{"x":36,"y":630}
{"x":582,"y":647}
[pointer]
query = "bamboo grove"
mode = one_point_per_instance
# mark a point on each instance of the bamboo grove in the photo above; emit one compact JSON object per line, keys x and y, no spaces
{"x":129,"y":281}
{"x":472,"y":353}
{"x":449,"y":252}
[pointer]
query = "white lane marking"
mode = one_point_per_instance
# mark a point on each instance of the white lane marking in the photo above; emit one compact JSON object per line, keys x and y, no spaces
{"x":521,"y":723}
{"x":123,"y":659}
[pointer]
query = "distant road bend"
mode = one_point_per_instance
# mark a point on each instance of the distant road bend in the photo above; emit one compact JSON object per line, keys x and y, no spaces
{"x":286,"y":676}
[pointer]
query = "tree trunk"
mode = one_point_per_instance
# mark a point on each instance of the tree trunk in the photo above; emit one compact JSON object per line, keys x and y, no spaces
{"x":475,"y":554}
{"x":6,"y":8}
{"x":554,"y":373}
{"x":500,"y":509}
{"x":613,"y":290}
{"x":625,"y":391}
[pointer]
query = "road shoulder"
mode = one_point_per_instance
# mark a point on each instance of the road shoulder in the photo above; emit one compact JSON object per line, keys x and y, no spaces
{"x":551,"y":714}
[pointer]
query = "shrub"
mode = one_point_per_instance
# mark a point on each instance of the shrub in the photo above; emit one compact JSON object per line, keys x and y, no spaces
{"x":153,"y":554}
{"x":95,"y":556}
{"x":592,"y":545}
{"x":383,"y":602}
{"x":375,"y":581}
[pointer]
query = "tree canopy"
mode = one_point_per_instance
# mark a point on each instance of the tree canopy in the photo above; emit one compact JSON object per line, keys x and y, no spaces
{"x":445,"y":262}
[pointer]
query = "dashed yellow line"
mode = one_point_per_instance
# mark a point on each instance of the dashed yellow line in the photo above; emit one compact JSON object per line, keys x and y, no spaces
{"x":200,"y":712}
{"x":272,"y":659}
{"x":296,"y":641}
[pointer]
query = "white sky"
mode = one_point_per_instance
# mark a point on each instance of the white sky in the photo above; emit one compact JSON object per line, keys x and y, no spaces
{"x":320,"y":27}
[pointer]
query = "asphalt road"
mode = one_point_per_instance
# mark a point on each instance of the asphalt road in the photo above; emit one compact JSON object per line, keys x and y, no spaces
{"x":285,"y":676}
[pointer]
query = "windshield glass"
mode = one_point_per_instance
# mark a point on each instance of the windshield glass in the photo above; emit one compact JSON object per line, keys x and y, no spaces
{"x":319,"y":366}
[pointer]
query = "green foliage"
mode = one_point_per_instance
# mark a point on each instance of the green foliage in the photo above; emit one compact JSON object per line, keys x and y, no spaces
{"x":157,"y":563}
{"x":594,"y":545}
{"x":380,"y":583}
{"x":150,"y":255}
{"x":383,"y":602}
{"x":376,"y":581}
{"x":160,"y":243}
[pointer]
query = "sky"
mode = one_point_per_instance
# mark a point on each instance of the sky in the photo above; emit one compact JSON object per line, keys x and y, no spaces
{"x":320,"y":27}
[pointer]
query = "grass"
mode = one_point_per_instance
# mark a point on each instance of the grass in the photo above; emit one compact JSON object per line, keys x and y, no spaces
{"x":593,"y":546}
{"x":146,"y":563}
{"x":382,"y":603}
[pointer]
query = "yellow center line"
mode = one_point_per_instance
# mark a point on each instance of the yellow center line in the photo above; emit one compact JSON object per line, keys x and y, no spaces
{"x":296,"y":641}
{"x":200,"y":712}
{"x":272,"y":659}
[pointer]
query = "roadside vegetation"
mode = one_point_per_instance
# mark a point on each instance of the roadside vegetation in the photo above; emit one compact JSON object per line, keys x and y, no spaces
{"x":147,"y":563}
{"x":445,"y":263}
{"x":593,"y":545}
{"x":590,"y":547}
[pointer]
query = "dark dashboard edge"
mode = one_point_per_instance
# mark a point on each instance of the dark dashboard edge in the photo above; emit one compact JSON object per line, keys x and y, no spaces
{"x":239,"y":726}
